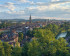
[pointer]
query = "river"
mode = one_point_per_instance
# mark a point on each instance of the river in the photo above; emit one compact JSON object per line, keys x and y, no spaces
{"x":61,"y":35}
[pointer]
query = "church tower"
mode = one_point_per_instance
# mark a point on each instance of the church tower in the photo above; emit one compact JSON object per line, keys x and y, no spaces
{"x":30,"y":19}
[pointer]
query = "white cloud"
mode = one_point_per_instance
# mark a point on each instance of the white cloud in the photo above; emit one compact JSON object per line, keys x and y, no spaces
{"x":32,"y":3}
{"x":23,"y":1}
{"x":9,"y":6}
{"x":49,"y":3}
{"x":55,"y":5}
{"x":54,"y":0}
{"x":9,"y":3}
{"x":55,"y":9}
{"x":16,"y":12}
{"x":51,"y":7}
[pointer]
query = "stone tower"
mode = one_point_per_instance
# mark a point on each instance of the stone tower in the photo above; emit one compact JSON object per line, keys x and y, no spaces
{"x":30,"y":19}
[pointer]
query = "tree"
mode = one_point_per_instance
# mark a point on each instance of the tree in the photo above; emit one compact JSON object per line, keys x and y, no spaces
{"x":34,"y":48}
{"x":17,"y":51}
{"x":20,"y":37}
{"x":49,"y":45}
{"x":25,"y":49}
{"x":2,"y":52}
{"x":30,"y":33}
{"x":7,"y":49}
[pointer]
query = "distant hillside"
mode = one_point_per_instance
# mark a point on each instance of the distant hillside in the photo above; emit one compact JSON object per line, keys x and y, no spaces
{"x":20,"y":20}
{"x":39,"y":20}
{"x":23,"y":20}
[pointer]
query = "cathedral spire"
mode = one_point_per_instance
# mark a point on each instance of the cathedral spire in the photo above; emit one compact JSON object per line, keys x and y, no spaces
{"x":30,"y":19}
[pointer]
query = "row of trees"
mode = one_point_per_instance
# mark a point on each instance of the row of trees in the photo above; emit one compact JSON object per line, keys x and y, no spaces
{"x":37,"y":48}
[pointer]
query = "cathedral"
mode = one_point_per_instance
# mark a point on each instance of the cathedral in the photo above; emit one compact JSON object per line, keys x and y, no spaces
{"x":30,"y":19}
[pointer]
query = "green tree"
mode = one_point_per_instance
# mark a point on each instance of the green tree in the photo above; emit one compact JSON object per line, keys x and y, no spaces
{"x":7,"y":49}
{"x":30,"y":33}
{"x":2,"y":52}
{"x":34,"y":48}
{"x":49,"y":45}
{"x":17,"y":51}
{"x":25,"y":49}
{"x":20,"y":37}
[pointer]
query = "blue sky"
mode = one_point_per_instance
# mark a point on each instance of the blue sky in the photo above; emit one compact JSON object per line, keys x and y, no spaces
{"x":39,"y":9}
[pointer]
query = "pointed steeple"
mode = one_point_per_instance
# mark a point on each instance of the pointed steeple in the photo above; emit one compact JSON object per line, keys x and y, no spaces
{"x":30,"y":19}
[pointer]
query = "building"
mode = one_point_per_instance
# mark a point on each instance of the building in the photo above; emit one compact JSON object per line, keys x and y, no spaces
{"x":30,"y":20}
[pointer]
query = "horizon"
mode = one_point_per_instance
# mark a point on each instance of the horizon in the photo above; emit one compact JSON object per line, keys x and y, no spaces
{"x":38,"y":19}
{"x":47,"y":9}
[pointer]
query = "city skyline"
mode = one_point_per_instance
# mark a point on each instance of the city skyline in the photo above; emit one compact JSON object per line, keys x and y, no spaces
{"x":43,"y":9}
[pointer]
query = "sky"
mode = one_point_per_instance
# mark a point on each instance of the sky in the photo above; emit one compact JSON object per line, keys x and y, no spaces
{"x":39,"y":9}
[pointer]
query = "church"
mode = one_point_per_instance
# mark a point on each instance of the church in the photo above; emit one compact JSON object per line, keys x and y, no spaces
{"x":30,"y":19}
